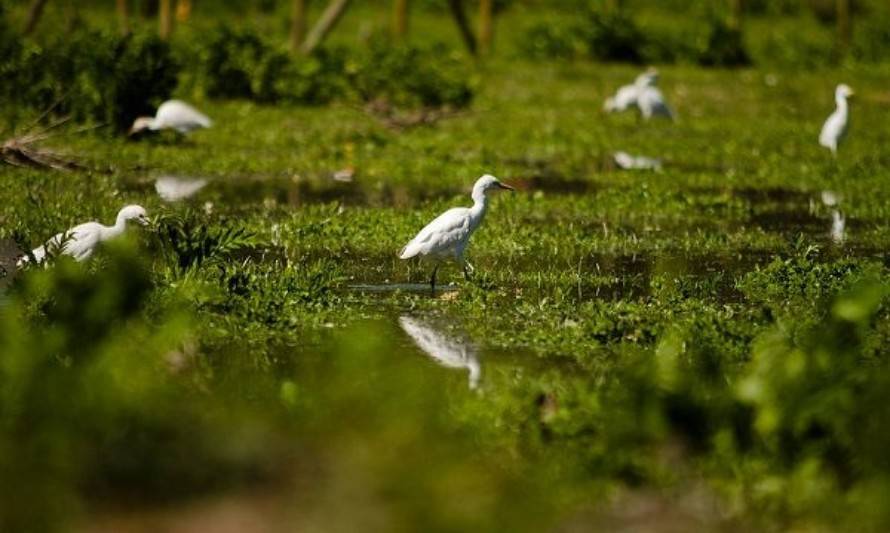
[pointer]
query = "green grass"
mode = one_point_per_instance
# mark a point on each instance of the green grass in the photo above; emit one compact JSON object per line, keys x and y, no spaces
{"x":690,"y":339}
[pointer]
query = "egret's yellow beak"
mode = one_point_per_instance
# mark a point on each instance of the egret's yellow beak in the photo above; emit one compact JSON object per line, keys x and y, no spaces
{"x":506,"y":187}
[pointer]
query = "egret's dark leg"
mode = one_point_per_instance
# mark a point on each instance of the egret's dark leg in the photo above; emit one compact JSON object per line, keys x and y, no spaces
{"x":433,"y":278}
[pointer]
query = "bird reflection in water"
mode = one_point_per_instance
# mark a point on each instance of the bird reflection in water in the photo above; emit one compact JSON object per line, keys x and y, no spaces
{"x":447,"y":350}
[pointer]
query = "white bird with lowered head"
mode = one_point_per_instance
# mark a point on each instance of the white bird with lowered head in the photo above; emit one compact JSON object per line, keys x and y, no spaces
{"x":82,"y":240}
{"x":174,"y":115}
{"x":835,"y":128}
{"x":447,"y":236}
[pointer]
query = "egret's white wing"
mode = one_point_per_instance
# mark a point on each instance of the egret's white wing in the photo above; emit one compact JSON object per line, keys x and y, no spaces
{"x":79,"y":242}
{"x":181,"y":117}
{"x":441,"y":235}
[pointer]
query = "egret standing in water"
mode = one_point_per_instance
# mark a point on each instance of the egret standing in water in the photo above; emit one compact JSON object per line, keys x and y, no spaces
{"x":82,"y":240}
{"x":835,"y":128}
{"x":447,"y":236}
{"x":174,"y":115}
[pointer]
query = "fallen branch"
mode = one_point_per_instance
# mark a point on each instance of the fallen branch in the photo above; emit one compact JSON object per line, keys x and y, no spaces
{"x":23,"y":151}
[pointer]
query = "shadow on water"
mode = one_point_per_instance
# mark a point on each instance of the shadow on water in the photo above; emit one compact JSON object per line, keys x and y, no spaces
{"x":386,"y":288}
{"x":636,"y":276}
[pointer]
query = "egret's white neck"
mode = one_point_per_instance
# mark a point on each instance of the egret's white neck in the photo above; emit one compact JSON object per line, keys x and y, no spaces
{"x":841,"y":103}
{"x":110,"y":232}
{"x":480,"y":203}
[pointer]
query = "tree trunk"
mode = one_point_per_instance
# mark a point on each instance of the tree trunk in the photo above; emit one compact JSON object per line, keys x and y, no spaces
{"x":400,"y":19}
{"x":123,"y":16}
{"x":844,"y":27}
{"x":34,"y":14}
{"x":735,"y":14}
{"x":486,"y":25}
{"x":165,"y":19}
{"x":183,"y":10}
{"x":325,"y":24}
{"x":297,"y":24}
{"x":457,"y":10}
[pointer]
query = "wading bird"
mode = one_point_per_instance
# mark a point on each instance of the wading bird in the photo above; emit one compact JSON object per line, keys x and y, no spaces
{"x":82,"y":240}
{"x":835,"y":128}
{"x":447,"y":236}
{"x":174,"y":115}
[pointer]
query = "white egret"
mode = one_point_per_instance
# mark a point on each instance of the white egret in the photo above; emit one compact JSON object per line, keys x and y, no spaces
{"x":631,"y":162}
{"x":835,"y":127}
{"x":174,"y":115}
{"x":650,"y":100}
{"x":643,"y":95}
{"x":446,"y":350}
{"x":447,"y":236}
{"x":82,"y":240}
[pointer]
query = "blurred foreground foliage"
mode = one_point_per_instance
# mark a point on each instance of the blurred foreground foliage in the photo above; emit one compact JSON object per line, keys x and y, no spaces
{"x":111,"y":390}
{"x":204,"y":371}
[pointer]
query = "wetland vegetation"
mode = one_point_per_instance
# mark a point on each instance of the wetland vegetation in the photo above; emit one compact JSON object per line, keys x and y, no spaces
{"x":698,"y":348}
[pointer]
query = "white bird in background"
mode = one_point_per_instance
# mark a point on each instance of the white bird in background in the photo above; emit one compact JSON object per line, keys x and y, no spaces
{"x":448,"y":351}
{"x":175,"y":115}
{"x":82,"y":240}
{"x":447,"y":236}
{"x":835,"y":128}
{"x":643,"y":95}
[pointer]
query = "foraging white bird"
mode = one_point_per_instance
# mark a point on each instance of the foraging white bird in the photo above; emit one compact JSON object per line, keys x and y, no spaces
{"x":643,"y":95}
{"x":175,"y":115}
{"x":650,"y":100}
{"x":447,"y":236}
{"x":82,"y":240}
{"x":448,"y":351}
{"x":835,"y":128}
